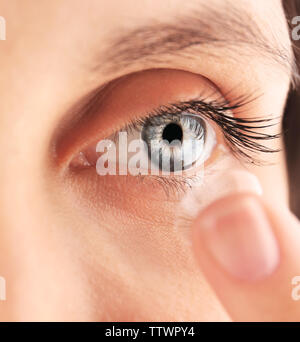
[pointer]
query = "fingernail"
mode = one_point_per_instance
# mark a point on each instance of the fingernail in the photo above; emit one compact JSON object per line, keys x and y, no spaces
{"x":238,"y":235}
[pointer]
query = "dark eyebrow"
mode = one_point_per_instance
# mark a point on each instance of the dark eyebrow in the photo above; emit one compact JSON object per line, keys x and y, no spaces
{"x":228,"y":31}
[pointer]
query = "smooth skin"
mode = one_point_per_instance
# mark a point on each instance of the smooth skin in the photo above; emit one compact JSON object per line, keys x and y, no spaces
{"x":74,"y":248}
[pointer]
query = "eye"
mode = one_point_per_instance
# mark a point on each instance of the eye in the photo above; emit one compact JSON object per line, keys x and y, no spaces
{"x":158,"y":145}
{"x":174,"y":122}
{"x":176,"y":142}
{"x":162,"y":144}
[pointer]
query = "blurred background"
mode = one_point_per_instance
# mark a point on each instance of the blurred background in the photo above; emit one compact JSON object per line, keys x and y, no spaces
{"x":291,"y":122}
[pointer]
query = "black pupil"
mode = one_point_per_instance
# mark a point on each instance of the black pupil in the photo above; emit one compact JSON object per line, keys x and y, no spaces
{"x":172,"y":132}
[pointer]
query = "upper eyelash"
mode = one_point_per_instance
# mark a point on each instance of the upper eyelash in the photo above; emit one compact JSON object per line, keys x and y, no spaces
{"x":243,"y":135}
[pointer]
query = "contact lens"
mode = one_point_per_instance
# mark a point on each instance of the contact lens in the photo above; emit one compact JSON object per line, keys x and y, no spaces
{"x":174,"y":142}
{"x":227,"y":176}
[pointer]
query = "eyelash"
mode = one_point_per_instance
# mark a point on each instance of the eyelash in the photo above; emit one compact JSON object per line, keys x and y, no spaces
{"x":242,"y":135}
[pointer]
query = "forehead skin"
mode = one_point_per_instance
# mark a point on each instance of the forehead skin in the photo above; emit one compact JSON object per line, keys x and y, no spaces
{"x":67,"y":39}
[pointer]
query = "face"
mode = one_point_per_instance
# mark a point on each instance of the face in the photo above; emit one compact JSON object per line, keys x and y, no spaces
{"x":76,"y":245}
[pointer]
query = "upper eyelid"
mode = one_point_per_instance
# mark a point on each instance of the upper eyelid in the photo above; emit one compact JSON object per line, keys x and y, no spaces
{"x":91,"y":104}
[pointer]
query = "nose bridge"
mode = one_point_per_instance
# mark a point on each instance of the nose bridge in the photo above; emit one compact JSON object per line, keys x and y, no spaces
{"x":23,"y":211}
{"x":19,"y":171}
{"x":18,"y":151}
{"x":18,"y":208}
{"x":21,"y":153}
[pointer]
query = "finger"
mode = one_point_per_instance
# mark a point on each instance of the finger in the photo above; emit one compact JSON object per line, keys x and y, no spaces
{"x":250,"y":254}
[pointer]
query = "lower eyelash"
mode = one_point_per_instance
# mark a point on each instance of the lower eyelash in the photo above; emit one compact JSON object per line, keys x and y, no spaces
{"x":172,"y":186}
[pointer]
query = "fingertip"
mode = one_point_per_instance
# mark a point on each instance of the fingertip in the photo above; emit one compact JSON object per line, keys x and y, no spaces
{"x":236,"y":234}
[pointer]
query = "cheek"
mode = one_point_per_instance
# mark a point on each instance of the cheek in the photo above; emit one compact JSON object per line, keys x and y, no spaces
{"x":140,"y":261}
